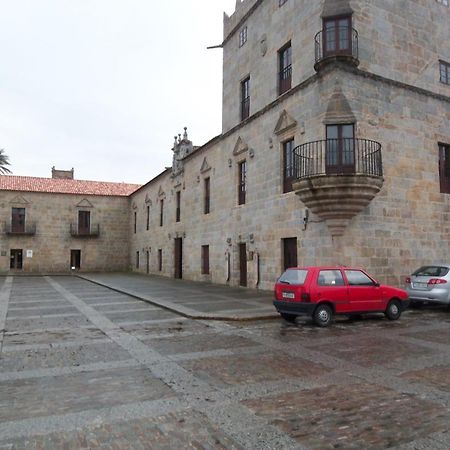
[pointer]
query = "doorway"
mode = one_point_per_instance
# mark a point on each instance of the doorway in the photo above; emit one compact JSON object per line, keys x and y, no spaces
{"x":178,"y":257}
{"x":289,"y":253}
{"x":243,"y":265}
{"x":75,"y":259}
{"x":16,"y":259}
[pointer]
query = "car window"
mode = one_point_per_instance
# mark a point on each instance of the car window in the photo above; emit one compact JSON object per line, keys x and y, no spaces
{"x":431,"y":271}
{"x":358,"y":278}
{"x":293,"y":276}
{"x":330,"y":278}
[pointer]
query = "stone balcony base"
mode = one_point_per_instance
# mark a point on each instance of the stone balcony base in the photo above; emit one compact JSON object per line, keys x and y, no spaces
{"x":336,"y":199}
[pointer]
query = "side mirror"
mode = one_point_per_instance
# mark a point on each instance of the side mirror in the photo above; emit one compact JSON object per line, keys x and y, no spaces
{"x":376,"y":284}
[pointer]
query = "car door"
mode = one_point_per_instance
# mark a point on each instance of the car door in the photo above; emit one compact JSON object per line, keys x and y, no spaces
{"x":364,"y":293}
{"x":330,"y":286}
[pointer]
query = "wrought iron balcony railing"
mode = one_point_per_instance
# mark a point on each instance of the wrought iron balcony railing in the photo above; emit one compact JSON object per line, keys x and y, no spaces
{"x":347,"y":156}
{"x":336,"y":42}
{"x":77,"y":231}
{"x":18,"y":229}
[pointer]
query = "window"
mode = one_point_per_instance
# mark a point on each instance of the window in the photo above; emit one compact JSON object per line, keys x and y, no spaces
{"x":161,"y":213}
{"x":288,"y":165}
{"x":282,"y":2}
{"x":294,"y":276}
{"x":358,"y":278}
{"x":330,"y":278}
{"x":147,"y":262}
{"x":160,"y":260}
{"x":84,"y":222}
{"x":243,"y":36}
{"x":135,"y":222}
{"x":245,"y":98}
{"x":18,"y":220}
{"x":148,"y":217}
{"x":137,"y":260}
{"x":178,"y":212}
{"x":242,"y":186}
{"x":205,"y":259}
{"x":444,"y":168}
{"x":443,"y":2}
{"x":285,"y":66}
{"x":445,"y":72}
{"x":337,"y":35}
{"x":340,"y":149}
{"x":207,"y":192}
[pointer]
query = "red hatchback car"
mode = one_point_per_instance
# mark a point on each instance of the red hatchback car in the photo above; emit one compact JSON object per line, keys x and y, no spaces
{"x":322,"y":292}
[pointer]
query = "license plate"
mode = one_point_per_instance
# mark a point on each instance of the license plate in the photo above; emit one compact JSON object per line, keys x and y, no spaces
{"x":420,"y":285}
{"x":288,"y":295}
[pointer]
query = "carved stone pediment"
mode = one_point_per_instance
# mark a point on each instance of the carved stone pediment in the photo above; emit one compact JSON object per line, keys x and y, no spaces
{"x":85,"y":203}
{"x":240,"y":147}
{"x":339,"y":110}
{"x":205,"y":166}
{"x":161,"y":192}
{"x":148,"y":200}
{"x":285,"y":123}
{"x":19,"y":200}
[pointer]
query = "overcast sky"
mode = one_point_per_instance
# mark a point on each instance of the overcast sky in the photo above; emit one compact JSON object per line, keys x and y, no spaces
{"x":104,"y":85}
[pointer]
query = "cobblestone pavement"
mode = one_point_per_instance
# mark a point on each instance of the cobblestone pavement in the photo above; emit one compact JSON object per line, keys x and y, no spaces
{"x":84,"y":367}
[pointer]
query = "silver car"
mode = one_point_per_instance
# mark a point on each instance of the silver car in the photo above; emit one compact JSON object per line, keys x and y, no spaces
{"x":430,"y":284}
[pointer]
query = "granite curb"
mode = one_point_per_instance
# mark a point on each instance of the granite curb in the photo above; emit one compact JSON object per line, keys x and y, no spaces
{"x":182,"y":310}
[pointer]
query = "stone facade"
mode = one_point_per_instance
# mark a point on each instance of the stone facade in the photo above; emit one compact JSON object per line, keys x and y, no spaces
{"x":383,"y":83}
{"x":49,"y":218}
{"x":392,"y":95}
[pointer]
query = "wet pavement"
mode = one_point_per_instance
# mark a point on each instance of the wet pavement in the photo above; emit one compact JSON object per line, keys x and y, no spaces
{"x":84,"y":367}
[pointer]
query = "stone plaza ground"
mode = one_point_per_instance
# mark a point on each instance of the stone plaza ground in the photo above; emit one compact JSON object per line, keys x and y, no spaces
{"x":83,"y":367}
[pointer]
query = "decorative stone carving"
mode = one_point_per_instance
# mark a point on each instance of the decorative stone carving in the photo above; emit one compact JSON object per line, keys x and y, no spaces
{"x":339,"y":110}
{"x":161,"y":192}
{"x":285,"y":123}
{"x":240,"y":147}
{"x":85,"y":203}
{"x":19,"y":200}
{"x":181,"y":149}
{"x":263,"y":45}
{"x":205,"y":166}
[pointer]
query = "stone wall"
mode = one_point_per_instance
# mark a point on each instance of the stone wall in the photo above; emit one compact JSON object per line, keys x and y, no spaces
{"x":52,"y":243}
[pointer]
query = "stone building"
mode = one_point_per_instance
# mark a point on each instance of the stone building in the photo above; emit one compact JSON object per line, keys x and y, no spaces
{"x":59,"y":223}
{"x":335,"y":148}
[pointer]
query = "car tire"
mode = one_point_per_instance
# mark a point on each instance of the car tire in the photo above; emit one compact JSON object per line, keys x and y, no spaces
{"x":323,"y":316}
{"x":288,"y":317}
{"x":393,"y":310}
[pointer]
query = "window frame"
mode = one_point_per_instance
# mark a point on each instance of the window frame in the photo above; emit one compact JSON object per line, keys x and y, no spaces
{"x":18,"y":218}
{"x":137,"y":259}
{"x":84,"y":222}
{"x":337,"y":49}
{"x":207,"y":195}
{"x":288,"y":168}
{"x":243,"y":36}
{"x":285,"y":68}
{"x":159,"y":259}
{"x":148,"y":218}
{"x":205,"y":260}
{"x":161,"y":212}
{"x":444,"y":168}
{"x":242,"y":182}
{"x":245,"y":98}
{"x":444,"y":72}
{"x":178,"y":206}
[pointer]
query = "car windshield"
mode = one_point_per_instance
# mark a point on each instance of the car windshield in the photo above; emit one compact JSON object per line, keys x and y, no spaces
{"x":293,"y":276}
{"x":431,"y":271}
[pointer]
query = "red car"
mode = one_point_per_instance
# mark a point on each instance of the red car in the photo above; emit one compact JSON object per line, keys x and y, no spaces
{"x":322,"y":292}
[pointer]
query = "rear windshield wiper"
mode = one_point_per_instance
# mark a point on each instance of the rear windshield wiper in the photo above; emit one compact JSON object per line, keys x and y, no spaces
{"x":284,"y":282}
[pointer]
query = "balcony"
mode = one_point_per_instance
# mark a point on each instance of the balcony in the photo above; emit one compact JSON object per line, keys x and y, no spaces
{"x":20,"y":229}
{"x":84,"y":232}
{"x":337,"y":178}
{"x":338,"y":43}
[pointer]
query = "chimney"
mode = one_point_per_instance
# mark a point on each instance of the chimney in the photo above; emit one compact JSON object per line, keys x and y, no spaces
{"x":62,"y":174}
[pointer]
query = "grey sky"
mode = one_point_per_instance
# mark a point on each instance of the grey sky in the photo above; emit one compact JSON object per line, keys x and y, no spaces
{"x":104,"y":85}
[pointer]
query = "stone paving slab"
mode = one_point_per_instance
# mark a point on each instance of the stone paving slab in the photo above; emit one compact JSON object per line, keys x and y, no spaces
{"x":118,"y":379}
{"x":220,"y":302}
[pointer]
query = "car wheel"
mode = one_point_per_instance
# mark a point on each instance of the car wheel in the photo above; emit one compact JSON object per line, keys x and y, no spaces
{"x":393,"y":311}
{"x":323,"y":315}
{"x":288,"y":317}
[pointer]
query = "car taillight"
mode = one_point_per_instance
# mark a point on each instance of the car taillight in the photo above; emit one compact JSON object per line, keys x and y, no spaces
{"x":437,"y":281}
{"x":408,"y":280}
{"x":306,"y":297}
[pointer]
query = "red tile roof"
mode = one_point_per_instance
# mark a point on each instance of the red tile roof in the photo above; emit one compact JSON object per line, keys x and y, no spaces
{"x":63,"y":186}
